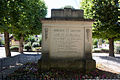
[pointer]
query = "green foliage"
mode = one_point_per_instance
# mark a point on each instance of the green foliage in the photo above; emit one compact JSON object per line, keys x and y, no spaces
{"x":35,"y":44}
{"x":31,"y":39}
{"x":105,"y":13}
{"x":1,"y":41}
{"x":29,"y":14}
{"x":28,"y":46}
{"x":86,"y":5}
{"x":106,"y":16}
{"x":40,"y":40}
{"x":95,"y":41}
{"x":106,"y":26}
{"x":14,"y":48}
{"x":117,"y":49}
{"x":6,"y":15}
{"x":22,"y":17}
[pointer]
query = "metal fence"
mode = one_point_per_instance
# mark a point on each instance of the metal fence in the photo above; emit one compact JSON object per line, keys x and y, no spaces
{"x":9,"y":65}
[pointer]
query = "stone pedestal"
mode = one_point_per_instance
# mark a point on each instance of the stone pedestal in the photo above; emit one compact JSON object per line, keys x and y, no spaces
{"x":81,"y":65}
{"x":67,"y":43}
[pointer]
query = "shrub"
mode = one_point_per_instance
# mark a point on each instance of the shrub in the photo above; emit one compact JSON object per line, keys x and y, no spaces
{"x":1,"y":42}
{"x":117,"y":49}
{"x":31,"y":39}
{"x":95,"y":41}
{"x":100,"y":50}
{"x":28,"y":46}
{"x":14,"y":48}
{"x":35,"y":44}
{"x":105,"y":50}
{"x":40,"y":40}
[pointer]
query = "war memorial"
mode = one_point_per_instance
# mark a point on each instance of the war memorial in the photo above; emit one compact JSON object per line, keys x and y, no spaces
{"x":67,"y":41}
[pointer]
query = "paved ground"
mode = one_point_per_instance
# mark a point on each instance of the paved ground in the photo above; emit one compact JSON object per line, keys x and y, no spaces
{"x":107,"y":63}
{"x":8,"y":65}
{"x":2,"y":53}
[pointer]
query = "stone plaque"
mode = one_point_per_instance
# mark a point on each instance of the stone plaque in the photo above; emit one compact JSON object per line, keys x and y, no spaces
{"x":67,"y":42}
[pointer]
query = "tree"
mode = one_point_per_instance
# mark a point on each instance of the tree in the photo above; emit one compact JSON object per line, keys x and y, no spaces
{"x":106,"y":26}
{"x":6,"y":22}
{"x":28,"y":22}
{"x":86,"y":5}
{"x":20,"y":17}
{"x":105,"y":13}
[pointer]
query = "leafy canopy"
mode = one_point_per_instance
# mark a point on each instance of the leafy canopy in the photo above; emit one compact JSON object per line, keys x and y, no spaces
{"x":105,"y":14}
{"x":6,"y":11}
{"x":86,"y":5}
{"x":21,"y":17}
{"x":30,"y":14}
{"x":106,"y":17}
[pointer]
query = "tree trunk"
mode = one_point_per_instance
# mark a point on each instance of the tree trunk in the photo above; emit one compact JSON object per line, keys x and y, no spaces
{"x":21,"y":45}
{"x":7,"y":45}
{"x":111,"y":47}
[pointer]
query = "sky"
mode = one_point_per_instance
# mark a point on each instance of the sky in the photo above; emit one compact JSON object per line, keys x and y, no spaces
{"x":56,"y":4}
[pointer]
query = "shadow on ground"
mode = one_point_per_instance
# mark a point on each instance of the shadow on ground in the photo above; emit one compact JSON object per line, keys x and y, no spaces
{"x":30,"y":71}
{"x":114,"y":59}
{"x":32,"y":54}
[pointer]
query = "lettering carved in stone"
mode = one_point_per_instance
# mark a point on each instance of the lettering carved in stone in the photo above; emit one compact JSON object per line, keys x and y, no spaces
{"x":66,"y":40}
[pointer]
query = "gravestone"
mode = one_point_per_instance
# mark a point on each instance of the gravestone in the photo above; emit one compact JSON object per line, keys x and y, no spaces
{"x":67,"y":41}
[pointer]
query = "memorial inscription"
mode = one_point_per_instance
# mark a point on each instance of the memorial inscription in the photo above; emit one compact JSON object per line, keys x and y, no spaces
{"x":67,"y":41}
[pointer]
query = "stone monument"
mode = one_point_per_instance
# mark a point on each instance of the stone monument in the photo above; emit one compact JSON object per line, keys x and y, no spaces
{"x":67,"y":41}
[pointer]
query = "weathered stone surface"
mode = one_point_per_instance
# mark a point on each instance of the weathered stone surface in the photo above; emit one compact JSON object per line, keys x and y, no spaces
{"x":67,"y":44}
{"x":67,"y":13}
{"x":90,"y":65}
{"x":81,"y":65}
{"x":62,"y":64}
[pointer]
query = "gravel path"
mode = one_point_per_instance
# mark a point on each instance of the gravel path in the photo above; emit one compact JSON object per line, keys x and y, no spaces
{"x":108,"y":63}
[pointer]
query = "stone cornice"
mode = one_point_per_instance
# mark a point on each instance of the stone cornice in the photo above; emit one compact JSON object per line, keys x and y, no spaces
{"x":60,"y":23}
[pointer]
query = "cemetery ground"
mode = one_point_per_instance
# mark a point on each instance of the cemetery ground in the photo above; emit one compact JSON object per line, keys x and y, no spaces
{"x":107,"y":68}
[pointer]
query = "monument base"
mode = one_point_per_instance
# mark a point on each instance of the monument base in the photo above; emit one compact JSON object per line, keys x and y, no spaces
{"x":82,"y":65}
